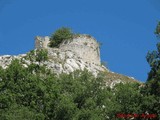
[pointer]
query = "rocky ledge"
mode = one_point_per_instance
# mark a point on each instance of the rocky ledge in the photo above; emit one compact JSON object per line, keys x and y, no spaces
{"x":79,"y":54}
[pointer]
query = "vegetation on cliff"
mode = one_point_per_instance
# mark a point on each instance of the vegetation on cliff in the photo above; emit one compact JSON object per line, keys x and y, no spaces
{"x":36,"y":93}
{"x":39,"y":55}
{"x":153,"y":82}
{"x":59,"y":36}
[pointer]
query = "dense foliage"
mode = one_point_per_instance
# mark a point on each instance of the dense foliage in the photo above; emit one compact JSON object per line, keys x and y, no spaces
{"x":36,"y":93}
{"x":39,"y":55}
{"x":59,"y":36}
{"x":153,"y":83}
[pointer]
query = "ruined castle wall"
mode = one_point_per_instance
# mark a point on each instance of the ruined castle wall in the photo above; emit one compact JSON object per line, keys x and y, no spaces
{"x":41,"y":42}
{"x":84,"y":47}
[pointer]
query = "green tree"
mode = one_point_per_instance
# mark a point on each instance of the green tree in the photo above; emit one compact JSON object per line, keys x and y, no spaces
{"x":157,"y":31}
{"x":39,"y":94}
{"x":41,"y":55}
{"x":152,"y":86}
{"x":60,"y":35}
{"x":31,"y":56}
{"x":16,"y":112}
{"x":128,"y":96}
{"x":153,"y":58}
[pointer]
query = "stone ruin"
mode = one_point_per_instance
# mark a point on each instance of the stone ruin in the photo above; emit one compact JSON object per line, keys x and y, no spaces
{"x":83,"y":46}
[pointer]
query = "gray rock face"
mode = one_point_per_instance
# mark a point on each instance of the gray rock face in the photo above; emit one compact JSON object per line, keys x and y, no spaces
{"x":84,"y":47}
{"x":78,"y":54}
{"x":6,"y":60}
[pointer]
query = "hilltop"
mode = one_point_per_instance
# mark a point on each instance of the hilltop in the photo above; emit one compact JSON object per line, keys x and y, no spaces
{"x":79,"y":53}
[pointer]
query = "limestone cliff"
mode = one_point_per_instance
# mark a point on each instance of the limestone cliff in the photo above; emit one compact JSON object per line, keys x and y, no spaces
{"x":82,"y":52}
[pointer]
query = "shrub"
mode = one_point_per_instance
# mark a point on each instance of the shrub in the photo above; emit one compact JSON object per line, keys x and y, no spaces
{"x":157,"y":31}
{"x":59,"y":36}
{"x":39,"y":55}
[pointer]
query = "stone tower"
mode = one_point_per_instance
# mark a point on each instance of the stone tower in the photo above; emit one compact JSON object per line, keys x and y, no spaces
{"x":83,"y":46}
{"x":41,"y":42}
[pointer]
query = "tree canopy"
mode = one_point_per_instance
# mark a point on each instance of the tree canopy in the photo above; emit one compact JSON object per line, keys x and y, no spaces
{"x":36,"y":93}
{"x":152,"y":87}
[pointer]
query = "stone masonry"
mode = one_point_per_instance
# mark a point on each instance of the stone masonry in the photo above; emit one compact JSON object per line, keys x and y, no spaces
{"x":84,"y":47}
{"x":82,"y":52}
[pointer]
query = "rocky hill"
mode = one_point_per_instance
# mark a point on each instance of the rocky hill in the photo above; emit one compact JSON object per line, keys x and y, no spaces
{"x":82,"y":52}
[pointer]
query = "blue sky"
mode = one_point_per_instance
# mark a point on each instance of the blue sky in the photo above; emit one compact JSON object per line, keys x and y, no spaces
{"x":124,"y":27}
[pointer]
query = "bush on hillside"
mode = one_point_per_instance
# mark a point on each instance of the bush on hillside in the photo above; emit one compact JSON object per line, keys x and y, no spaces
{"x":59,"y":36}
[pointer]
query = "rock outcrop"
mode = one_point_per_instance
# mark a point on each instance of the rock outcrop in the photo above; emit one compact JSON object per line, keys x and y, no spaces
{"x":82,"y":52}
